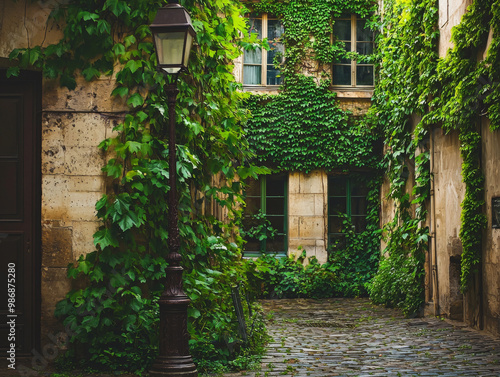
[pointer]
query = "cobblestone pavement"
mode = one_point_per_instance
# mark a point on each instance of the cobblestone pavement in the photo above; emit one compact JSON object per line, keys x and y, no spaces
{"x":352,"y":337}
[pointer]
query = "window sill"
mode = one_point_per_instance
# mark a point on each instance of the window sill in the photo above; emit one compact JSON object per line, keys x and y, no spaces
{"x":261,"y":88}
{"x":352,"y":92}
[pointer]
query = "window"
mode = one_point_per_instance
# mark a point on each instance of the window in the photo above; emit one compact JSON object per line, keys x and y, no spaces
{"x":268,"y":195}
{"x":258,"y":66}
{"x":346,"y":196}
{"x":352,"y":30}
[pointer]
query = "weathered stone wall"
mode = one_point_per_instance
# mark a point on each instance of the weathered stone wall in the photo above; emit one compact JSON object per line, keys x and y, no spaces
{"x":491,"y":246}
{"x":449,"y":192}
{"x":73,"y":124}
{"x":307,"y":213}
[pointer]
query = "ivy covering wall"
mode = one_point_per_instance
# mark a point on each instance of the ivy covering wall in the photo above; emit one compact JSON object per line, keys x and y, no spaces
{"x":450,"y":92}
{"x":124,"y":276}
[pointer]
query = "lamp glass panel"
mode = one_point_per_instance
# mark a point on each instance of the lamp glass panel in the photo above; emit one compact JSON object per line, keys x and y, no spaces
{"x":170,"y":47}
{"x":187,"y":51}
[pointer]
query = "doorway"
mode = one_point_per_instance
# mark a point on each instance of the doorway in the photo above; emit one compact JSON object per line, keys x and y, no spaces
{"x":20,"y":209}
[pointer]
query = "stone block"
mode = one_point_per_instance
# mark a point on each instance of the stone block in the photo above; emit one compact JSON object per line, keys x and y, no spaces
{"x":81,"y":206}
{"x":320,"y":201}
{"x":294,"y":183}
{"x":94,"y":96}
{"x":313,"y":183}
{"x":301,"y":204}
{"x":83,"y":237}
{"x":311,"y":227}
{"x":54,"y":197}
{"x":55,"y":285}
{"x":53,"y":149}
{"x":56,"y":246}
{"x":84,"y":130}
{"x":84,"y":161}
{"x":293,"y":226}
{"x":86,"y":183}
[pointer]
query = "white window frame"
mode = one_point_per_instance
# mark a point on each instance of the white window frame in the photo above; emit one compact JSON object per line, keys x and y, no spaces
{"x":263,"y":64}
{"x":354,"y":64}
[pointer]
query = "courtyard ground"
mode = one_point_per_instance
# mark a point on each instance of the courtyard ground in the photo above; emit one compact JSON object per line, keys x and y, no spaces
{"x":352,"y":337}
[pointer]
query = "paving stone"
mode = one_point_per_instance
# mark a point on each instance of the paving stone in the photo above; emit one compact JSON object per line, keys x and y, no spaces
{"x":352,"y":337}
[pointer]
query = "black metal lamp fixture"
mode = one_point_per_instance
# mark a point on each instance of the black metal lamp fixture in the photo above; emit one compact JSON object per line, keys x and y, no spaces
{"x":173,"y":35}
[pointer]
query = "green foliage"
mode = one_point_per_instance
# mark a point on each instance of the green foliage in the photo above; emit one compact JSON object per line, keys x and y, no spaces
{"x":287,"y":277}
{"x":355,"y":259}
{"x":469,"y":90}
{"x":302,"y":128}
{"x":407,"y":50}
{"x":261,"y":228}
{"x":122,"y":279}
{"x":308,"y":31}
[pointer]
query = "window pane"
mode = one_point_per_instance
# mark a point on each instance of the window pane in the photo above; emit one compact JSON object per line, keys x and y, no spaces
{"x":336,"y":205}
{"x":255,"y":26}
{"x":252,"y":245}
{"x":274,"y":30}
{"x":275,"y":49}
{"x":341,"y":74}
{"x":253,"y":188}
{"x":273,"y":76}
{"x":359,"y":223}
{"x":334,"y":224}
{"x":342,"y":30}
{"x":253,"y":57}
{"x":364,"y":75}
{"x":347,"y":48}
{"x":358,"y":206}
{"x":363,"y":33}
{"x":276,"y":245}
{"x":358,"y":189}
{"x":276,"y":186}
{"x":252,"y":74}
{"x":253,"y":205}
{"x":337,"y":187}
{"x":364,"y":48}
{"x":275,"y":206}
{"x":277,"y":222}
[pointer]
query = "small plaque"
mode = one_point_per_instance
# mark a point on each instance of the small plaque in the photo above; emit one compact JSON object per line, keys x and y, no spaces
{"x":495,"y":212}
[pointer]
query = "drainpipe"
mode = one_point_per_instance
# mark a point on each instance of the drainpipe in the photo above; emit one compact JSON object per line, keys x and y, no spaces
{"x":433,"y":251}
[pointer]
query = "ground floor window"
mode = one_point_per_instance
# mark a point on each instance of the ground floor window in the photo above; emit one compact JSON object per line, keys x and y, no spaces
{"x":266,"y":199}
{"x":346,"y":196}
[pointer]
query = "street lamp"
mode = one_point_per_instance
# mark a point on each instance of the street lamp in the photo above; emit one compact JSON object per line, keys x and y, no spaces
{"x":173,"y":36}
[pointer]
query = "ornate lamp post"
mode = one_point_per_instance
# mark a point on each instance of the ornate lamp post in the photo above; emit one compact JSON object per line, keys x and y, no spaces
{"x":173,"y":36}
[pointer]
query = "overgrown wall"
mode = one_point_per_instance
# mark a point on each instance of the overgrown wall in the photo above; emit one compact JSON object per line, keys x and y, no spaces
{"x":73,"y":123}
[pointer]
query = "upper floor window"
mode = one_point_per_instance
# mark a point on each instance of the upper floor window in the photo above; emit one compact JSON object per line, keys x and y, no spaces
{"x":352,"y":30}
{"x":258,"y":65}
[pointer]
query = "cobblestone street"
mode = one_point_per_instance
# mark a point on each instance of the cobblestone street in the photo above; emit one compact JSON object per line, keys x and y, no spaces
{"x":352,"y":337}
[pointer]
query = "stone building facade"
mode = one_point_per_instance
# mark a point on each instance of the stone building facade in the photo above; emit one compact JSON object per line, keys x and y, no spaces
{"x":62,"y":178}
{"x":480,"y":307}
{"x":52,"y":223}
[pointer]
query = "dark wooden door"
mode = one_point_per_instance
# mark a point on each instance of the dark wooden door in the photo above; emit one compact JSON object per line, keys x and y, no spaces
{"x":19,"y":213}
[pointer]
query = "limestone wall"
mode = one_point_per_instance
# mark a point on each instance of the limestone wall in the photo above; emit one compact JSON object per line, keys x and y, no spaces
{"x":72,"y":126}
{"x":491,"y":246}
{"x":307,"y":214}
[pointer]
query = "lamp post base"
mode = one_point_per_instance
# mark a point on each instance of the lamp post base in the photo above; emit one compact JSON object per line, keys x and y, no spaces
{"x":173,"y":366}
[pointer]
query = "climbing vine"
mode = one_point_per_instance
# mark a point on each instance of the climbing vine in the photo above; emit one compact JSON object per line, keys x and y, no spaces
{"x":469,"y":90}
{"x":302,"y":128}
{"x":408,"y":55}
{"x":452,"y":92}
{"x":124,"y":275}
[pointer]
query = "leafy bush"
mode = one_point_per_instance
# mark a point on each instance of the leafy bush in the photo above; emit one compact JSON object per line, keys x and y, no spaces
{"x":356,"y":262}
{"x":286,"y":277}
